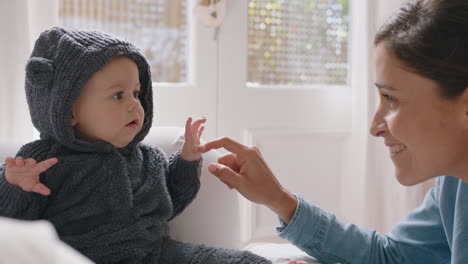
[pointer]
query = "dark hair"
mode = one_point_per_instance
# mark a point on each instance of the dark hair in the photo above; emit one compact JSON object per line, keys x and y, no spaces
{"x":431,"y":38}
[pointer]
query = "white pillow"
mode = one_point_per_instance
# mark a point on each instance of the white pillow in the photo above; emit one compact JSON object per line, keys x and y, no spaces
{"x":280,"y":253}
{"x":34,"y":242}
{"x":213,"y":218}
{"x":169,"y":139}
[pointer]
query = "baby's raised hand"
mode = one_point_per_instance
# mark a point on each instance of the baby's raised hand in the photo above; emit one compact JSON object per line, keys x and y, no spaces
{"x":193,"y":132}
{"x":25,"y":173}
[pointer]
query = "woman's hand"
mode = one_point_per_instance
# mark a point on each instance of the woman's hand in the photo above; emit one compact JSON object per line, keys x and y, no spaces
{"x":193,"y":131}
{"x":245,"y":170}
{"x":25,"y":173}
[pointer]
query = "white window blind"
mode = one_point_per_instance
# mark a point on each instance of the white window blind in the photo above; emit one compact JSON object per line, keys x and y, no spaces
{"x":298,"y":42}
{"x":157,"y":27}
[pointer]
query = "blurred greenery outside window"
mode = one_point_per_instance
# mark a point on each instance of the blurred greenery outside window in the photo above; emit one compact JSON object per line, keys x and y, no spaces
{"x":298,"y":42}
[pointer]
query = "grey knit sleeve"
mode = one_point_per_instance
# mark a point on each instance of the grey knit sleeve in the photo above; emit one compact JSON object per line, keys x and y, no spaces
{"x":15,"y":202}
{"x":10,"y":196}
{"x":183,"y":181}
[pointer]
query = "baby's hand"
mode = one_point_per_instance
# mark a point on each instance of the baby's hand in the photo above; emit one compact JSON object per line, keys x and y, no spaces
{"x":25,"y":173}
{"x":193,"y":131}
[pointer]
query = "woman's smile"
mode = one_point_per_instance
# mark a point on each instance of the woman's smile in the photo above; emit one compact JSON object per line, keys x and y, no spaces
{"x":396,"y":149}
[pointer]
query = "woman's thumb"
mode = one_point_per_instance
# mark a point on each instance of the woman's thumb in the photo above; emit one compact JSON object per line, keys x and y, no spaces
{"x":225,"y":174}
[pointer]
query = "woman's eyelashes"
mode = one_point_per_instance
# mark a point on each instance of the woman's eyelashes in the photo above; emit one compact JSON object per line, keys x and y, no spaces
{"x":390,"y":100}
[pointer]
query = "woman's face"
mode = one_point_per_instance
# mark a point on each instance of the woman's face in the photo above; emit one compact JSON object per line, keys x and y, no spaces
{"x":426,"y":135}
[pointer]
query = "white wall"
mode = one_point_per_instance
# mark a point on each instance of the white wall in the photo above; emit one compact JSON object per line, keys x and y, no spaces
{"x":21,"y":22}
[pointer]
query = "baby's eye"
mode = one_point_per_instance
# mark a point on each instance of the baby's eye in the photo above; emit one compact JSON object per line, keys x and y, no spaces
{"x":118,"y":96}
{"x":136,"y":93}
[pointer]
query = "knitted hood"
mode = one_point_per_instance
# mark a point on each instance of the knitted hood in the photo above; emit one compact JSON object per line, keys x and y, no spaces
{"x":61,"y":63}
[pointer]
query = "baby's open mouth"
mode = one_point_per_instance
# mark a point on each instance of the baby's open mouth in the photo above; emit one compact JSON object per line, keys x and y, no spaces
{"x":133,"y":123}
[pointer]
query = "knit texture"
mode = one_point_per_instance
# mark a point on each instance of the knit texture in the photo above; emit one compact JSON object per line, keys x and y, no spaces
{"x":113,"y":207}
{"x":111,"y":204}
{"x":178,"y":252}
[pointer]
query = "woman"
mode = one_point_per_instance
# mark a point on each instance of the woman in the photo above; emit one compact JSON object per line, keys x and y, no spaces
{"x":421,"y":64}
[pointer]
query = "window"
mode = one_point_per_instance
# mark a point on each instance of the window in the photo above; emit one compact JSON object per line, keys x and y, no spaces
{"x":298,"y":42}
{"x":157,"y":27}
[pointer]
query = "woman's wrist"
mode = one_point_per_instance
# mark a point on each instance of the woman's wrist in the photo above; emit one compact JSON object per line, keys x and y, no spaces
{"x":284,"y":206}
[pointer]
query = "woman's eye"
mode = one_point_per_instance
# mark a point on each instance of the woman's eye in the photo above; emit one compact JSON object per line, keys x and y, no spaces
{"x":390,"y":99}
{"x":118,"y":96}
{"x":135,"y":94}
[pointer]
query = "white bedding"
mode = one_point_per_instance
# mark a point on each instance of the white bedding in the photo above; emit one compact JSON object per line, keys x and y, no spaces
{"x":25,"y":242}
{"x":280,"y":253}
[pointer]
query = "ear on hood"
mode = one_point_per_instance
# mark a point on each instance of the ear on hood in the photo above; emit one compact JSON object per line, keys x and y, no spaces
{"x":39,"y":72}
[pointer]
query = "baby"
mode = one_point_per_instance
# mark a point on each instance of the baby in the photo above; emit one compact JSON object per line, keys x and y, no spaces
{"x":108,"y":195}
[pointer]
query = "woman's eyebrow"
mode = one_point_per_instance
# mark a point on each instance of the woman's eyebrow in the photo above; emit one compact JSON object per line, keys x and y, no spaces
{"x":384,"y":86}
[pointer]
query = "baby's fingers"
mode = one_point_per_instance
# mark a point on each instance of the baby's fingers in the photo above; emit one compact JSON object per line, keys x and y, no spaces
{"x":19,"y":161}
{"x":30,"y":162}
{"x":196,"y":125}
{"x":10,"y":162}
{"x":200,"y":131}
{"x":46,"y":164}
{"x":188,"y":130}
{"x":41,"y":189}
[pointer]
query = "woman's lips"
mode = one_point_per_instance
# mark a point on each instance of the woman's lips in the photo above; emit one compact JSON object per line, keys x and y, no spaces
{"x":395,"y":149}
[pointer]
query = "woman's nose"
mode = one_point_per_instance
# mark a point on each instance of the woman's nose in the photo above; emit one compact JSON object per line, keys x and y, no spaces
{"x":378,"y":126}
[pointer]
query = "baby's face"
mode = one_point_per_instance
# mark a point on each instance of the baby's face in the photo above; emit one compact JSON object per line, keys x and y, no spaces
{"x":108,"y":108}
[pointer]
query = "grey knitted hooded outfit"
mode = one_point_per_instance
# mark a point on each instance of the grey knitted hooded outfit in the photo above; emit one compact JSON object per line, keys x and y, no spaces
{"x":110,"y":204}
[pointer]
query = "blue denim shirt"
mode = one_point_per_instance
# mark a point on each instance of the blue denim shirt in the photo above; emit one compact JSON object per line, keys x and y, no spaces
{"x":435,"y":232}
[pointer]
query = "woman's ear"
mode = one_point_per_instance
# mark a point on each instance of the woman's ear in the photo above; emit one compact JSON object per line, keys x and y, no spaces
{"x":464,"y":104}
